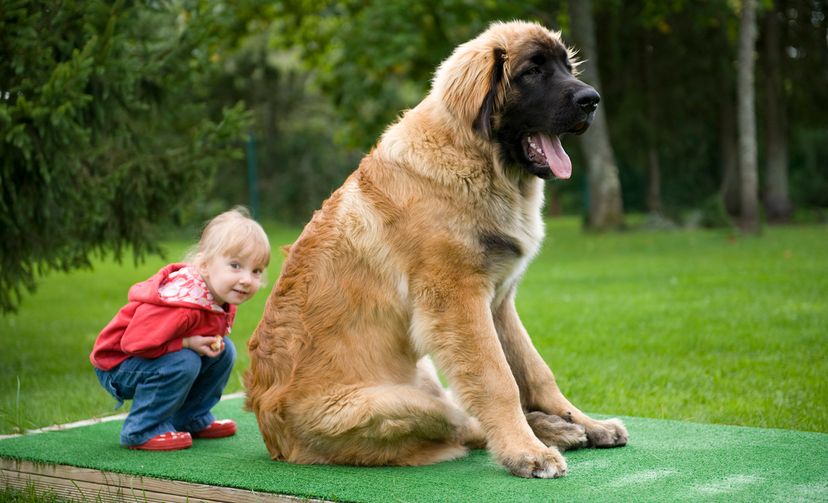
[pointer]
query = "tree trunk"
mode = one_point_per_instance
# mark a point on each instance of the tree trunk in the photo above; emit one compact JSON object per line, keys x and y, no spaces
{"x":604,"y":189}
{"x":778,"y":207}
{"x":730,"y":188}
{"x":653,"y":165}
{"x":746,"y":110}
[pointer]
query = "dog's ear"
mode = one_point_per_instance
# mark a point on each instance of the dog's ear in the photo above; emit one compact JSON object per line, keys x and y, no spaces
{"x":483,"y":122}
{"x":470,"y":85}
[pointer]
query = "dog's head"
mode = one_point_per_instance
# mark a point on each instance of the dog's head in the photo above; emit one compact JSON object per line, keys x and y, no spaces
{"x":514,"y":85}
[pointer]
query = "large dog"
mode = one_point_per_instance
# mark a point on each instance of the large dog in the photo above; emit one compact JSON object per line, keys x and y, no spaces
{"x":418,"y":256}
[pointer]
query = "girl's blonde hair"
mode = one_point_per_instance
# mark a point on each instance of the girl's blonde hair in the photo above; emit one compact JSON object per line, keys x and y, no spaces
{"x":233,"y":234}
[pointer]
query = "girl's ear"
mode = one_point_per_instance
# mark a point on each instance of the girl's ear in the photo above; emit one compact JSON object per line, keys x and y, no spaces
{"x":200,"y":265}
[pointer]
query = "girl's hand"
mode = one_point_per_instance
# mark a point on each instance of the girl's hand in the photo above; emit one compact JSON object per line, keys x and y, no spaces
{"x":205,"y":346}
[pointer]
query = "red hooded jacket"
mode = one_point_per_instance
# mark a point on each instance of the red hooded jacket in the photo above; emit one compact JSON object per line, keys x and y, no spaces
{"x":150,"y":326}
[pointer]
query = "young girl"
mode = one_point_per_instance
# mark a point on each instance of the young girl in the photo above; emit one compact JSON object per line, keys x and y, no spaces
{"x":166,"y":349}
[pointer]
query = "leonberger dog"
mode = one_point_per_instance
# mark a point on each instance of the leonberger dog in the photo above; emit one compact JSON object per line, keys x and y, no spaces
{"x":413,"y":263}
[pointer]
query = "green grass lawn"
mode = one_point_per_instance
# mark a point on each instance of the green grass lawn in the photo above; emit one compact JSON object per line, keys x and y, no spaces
{"x":693,"y":325}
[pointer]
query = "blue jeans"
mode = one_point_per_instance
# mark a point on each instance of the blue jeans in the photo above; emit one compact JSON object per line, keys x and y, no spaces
{"x":172,"y":393}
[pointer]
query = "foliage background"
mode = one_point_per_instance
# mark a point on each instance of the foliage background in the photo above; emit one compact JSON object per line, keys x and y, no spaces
{"x":121,"y":119}
{"x":328,"y":77}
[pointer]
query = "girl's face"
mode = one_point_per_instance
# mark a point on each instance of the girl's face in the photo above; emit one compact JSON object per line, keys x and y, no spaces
{"x":232,"y":280}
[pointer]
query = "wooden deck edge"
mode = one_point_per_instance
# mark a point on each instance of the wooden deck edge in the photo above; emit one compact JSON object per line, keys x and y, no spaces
{"x":84,"y":484}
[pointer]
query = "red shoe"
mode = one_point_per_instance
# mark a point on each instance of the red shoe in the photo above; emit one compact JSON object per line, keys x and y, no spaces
{"x":170,"y":441}
{"x":218,"y":429}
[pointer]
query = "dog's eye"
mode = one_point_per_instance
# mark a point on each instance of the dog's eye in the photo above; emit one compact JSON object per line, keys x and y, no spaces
{"x":535,"y":70}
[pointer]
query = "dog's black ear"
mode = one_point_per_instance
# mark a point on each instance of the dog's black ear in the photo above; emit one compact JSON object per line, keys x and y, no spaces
{"x":483,"y":122}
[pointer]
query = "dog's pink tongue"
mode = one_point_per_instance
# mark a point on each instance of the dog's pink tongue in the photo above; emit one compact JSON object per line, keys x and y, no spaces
{"x":557,"y":158}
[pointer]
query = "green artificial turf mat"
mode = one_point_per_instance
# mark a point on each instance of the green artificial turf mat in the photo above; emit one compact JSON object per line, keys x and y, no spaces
{"x":665,"y":461}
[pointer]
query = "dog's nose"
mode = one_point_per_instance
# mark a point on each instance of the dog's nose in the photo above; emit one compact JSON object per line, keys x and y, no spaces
{"x":587,"y":99}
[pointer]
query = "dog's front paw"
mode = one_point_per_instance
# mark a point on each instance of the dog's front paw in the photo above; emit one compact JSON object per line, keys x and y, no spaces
{"x":609,"y":433}
{"x":555,"y":431}
{"x":540,"y":462}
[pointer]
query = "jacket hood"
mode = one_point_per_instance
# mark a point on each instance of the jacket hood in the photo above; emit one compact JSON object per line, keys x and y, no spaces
{"x":196,"y":295}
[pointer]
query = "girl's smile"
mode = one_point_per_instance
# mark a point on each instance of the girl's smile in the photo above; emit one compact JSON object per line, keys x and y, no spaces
{"x":232,"y":280}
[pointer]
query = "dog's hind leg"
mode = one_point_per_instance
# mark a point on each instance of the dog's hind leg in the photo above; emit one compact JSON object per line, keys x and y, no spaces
{"x":427,"y":378}
{"x":555,"y":431}
{"x":471,"y":434}
{"x":378,"y":425}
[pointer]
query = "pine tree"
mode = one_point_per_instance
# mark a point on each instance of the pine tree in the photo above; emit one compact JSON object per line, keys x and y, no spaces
{"x":103,"y":129}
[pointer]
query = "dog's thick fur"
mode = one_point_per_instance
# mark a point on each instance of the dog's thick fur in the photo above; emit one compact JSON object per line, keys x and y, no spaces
{"x":418,"y":256}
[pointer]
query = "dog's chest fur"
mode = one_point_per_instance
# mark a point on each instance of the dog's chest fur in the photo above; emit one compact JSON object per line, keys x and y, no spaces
{"x":518,"y":239}
{"x":496,"y":231}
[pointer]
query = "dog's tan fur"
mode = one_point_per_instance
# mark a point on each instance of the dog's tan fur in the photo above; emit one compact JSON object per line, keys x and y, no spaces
{"x":418,"y":253}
